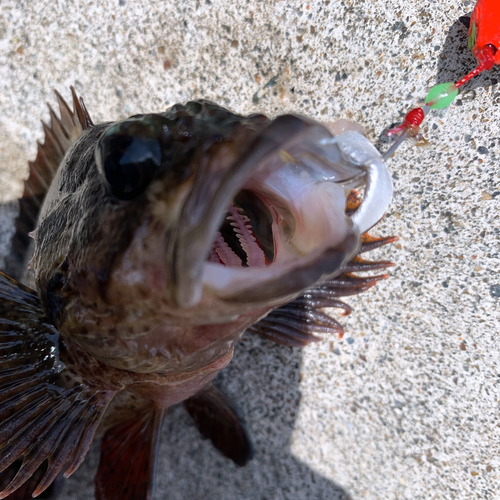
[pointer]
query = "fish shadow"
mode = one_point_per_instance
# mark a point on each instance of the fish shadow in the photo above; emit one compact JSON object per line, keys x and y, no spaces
{"x":263,"y":380}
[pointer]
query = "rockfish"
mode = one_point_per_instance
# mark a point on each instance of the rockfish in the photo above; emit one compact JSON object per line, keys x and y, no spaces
{"x":144,"y":249}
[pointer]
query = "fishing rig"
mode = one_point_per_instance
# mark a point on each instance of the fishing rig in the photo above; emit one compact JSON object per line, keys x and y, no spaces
{"x":484,"y":42}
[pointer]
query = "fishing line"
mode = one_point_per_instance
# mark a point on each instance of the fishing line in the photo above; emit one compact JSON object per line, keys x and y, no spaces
{"x":484,"y":41}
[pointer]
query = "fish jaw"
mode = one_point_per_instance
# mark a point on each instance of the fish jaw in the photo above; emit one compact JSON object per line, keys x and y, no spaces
{"x":303,"y":176}
{"x":296,"y":177}
{"x":157,"y":342}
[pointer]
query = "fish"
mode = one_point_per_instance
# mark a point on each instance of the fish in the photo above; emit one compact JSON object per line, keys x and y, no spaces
{"x":144,"y":249}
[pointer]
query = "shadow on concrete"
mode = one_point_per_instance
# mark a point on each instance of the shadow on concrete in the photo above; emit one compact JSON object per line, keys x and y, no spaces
{"x":8,"y":213}
{"x":456,"y":60}
{"x":263,"y":380}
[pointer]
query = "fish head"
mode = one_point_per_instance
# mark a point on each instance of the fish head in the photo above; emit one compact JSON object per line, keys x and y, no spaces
{"x":198,"y":216}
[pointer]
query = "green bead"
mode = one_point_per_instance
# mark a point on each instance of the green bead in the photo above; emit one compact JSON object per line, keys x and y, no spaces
{"x":442,"y":95}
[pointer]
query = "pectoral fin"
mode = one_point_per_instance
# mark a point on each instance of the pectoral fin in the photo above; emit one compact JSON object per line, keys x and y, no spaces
{"x":50,"y":407}
{"x":25,"y":491}
{"x":295,"y":323}
{"x":128,"y":457}
{"x":218,"y":420}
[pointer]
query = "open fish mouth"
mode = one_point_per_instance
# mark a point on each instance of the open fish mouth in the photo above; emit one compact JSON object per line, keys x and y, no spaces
{"x":275,"y":223}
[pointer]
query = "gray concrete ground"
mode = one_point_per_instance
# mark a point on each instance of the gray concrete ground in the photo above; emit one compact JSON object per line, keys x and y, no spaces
{"x":406,"y":406}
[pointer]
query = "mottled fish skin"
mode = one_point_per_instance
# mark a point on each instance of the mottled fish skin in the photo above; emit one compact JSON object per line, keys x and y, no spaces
{"x":128,"y":312}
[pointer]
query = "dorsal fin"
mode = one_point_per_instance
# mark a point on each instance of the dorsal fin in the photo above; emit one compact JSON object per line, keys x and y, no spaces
{"x":60,"y":134}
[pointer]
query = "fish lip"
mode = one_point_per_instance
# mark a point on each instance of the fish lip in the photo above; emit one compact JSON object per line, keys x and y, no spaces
{"x":199,"y":223}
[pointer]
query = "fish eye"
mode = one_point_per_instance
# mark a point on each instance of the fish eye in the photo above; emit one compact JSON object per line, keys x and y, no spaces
{"x":128,"y":155}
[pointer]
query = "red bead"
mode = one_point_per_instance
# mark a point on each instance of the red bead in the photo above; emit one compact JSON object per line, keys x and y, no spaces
{"x":414,"y":118}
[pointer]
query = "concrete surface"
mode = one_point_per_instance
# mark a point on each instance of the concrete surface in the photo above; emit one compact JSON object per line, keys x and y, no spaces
{"x":406,"y":406}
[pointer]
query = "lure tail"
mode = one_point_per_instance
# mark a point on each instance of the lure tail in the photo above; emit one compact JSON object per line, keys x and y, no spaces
{"x":128,"y":457}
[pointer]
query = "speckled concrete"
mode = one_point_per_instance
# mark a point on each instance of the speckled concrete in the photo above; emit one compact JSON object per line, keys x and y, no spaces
{"x":406,"y":406}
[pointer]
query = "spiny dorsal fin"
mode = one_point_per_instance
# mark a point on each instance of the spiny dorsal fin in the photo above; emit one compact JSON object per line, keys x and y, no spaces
{"x":60,"y":134}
